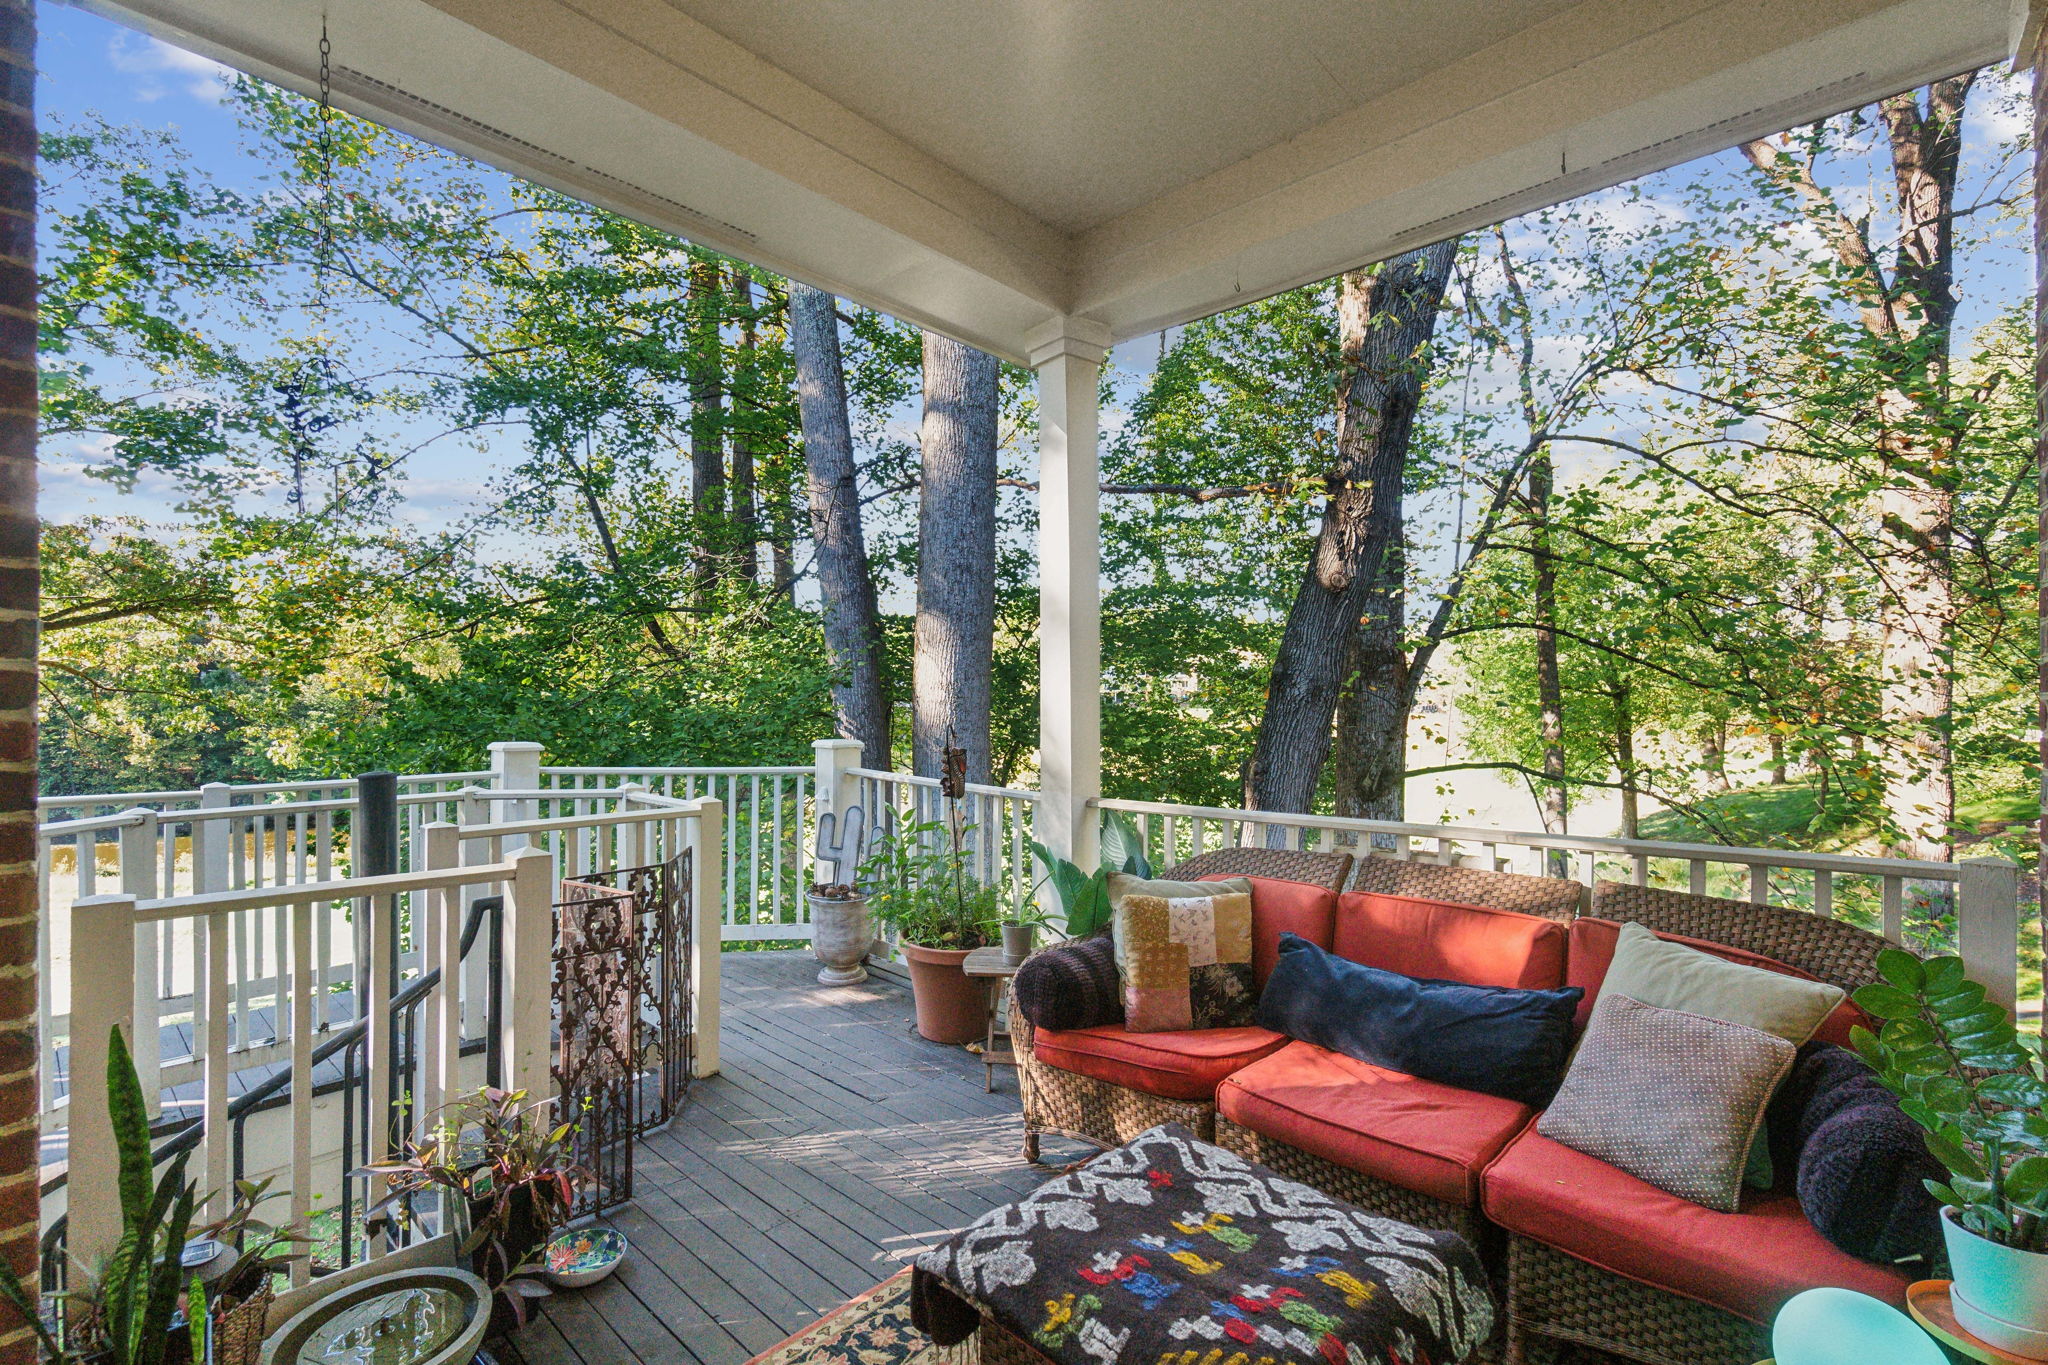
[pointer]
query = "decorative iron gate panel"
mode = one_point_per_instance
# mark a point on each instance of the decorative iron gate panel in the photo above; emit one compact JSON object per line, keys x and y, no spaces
{"x":622,"y":1014}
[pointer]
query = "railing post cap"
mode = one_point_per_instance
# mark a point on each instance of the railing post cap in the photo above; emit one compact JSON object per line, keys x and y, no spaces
{"x":835,"y":745}
{"x":1991,"y":860}
{"x":106,"y":902}
{"x":528,"y":854}
{"x":515,"y":746}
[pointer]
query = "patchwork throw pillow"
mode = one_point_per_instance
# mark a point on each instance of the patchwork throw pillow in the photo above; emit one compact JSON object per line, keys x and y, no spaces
{"x":1185,"y":961}
{"x":1674,"y":1099}
{"x":1497,"y":1040}
{"x":1655,"y":971}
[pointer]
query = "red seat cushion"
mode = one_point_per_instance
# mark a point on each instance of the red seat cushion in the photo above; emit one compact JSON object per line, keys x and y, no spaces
{"x":1183,"y":1064}
{"x":1280,"y":907}
{"x":1592,"y":953}
{"x":1747,"y":1263}
{"x":1446,"y":941}
{"x":1421,"y":1135}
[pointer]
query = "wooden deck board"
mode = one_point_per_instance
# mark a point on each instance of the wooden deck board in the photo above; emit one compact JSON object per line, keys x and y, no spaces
{"x":836,"y":1144}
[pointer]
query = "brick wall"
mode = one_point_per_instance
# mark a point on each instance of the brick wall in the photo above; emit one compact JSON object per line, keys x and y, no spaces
{"x":18,"y":611}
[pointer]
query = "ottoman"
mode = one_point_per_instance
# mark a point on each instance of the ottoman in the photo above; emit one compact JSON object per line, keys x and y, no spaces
{"x":1171,"y":1251}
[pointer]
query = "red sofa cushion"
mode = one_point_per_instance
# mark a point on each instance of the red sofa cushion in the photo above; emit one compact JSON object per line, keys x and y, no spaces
{"x":1592,"y":952}
{"x":1281,"y":907}
{"x":1184,"y":1064}
{"x":1747,"y":1263}
{"x":1446,"y":941}
{"x":1421,"y":1135}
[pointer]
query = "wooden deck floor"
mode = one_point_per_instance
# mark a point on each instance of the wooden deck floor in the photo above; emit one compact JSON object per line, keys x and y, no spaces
{"x":836,"y":1144}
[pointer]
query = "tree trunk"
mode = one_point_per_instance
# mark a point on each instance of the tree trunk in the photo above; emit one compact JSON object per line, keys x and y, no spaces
{"x":1372,"y":716}
{"x":1625,"y":760}
{"x":707,"y":422}
{"x":19,"y":600}
{"x":1714,"y":753}
{"x":956,"y":558}
{"x":1912,"y":317}
{"x":1386,"y":317}
{"x":746,"y":417}
{"x":1550,"y":798}
{"x":1778,"y":776}
{"x":846,"y":586}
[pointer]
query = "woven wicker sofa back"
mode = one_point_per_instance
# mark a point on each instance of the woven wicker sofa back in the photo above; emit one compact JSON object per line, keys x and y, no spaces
{"x":1281,"y":864}
{"x":1550,"y":897}
{"x":1827,"y":948}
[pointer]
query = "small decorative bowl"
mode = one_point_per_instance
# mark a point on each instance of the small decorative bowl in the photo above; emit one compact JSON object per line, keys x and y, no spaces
{"x":584,"y":1256}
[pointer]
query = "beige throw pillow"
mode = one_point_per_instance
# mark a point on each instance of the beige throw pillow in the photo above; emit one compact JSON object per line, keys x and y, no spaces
{"x":1674,"y":977}
{"x":1674,"y":1099}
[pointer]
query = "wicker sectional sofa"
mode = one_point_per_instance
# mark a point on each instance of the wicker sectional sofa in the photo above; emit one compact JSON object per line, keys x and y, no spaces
{"x":1586,"y":1253}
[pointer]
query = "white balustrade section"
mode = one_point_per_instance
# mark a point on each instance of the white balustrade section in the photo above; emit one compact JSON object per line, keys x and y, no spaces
{"x":1910,"y":902}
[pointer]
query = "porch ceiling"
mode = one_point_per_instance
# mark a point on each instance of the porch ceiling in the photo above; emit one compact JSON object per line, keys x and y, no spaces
{"x":985,"y":167}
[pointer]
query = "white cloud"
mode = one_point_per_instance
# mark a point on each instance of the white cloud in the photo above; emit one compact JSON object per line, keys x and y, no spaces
{"x":164,"y":69}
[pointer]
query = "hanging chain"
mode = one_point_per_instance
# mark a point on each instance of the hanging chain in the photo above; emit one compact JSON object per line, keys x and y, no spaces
{"x":326,"y":257}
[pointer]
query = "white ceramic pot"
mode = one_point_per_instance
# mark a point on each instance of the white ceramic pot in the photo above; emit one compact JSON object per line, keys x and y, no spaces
{"x":2000,"y":1294}
{"x":840,"y":937}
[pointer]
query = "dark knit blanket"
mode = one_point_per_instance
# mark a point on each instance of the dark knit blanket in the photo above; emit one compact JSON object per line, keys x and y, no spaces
{"x":1169,"y":1247}
{"x":1071,"y":986}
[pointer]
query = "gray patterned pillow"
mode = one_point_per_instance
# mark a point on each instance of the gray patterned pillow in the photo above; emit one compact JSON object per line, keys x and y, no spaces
{"x":1674,"y":1099}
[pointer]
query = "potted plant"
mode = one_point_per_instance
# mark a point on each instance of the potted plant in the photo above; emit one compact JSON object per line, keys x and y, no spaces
{"x":138,"y":1306}
{"x":919,"y":884}
{"x":1084,"y":896}
{"x":494,"y":1157}
{"x":1966,"y":1075}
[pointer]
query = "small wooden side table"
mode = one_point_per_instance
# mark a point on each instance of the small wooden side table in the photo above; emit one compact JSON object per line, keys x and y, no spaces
{"x":990,"y":964}
{"x":1928,"y":1302}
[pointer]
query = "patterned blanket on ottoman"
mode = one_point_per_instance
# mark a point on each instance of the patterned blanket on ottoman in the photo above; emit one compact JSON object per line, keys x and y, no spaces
{"x":1168,"y":1250}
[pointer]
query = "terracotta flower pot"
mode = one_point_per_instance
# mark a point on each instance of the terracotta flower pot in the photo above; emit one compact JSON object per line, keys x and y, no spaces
{"x":951,"y":1006}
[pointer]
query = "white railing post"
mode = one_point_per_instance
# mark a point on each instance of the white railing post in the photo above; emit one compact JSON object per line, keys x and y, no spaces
{"x":102,"y":996}
{"x":441,"y":947}
{"x":707,"y":932}
{"x":139,"y":879}
{"x":633,"y":839}
{"x":529,"y":969}
{"x":1988,"y":926}
{"x":474,"y":811}
{"x":515,"y":767}
{"x":210,"y":840}
{"x":835,"y":787}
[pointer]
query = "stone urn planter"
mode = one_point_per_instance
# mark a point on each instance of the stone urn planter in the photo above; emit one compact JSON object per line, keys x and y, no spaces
{"x":841,"y":934}
{"x":952,"y":1007}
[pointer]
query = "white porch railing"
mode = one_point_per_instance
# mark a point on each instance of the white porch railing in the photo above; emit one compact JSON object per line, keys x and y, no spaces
{"x":416,"y":917}
{"x":1970,"y":907}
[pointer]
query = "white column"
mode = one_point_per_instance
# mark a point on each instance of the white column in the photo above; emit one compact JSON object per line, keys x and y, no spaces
{"x":1068,"y":357}
{"x":139,"y":850}
{"x":515,"y":766}
{"x":707,"y":933}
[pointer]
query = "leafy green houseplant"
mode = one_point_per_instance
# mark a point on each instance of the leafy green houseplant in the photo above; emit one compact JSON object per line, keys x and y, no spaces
{"x":123,"y":1313}
{"x":495,"y":1157}
{"x":1976,"y":1085}
{"x":1084,"y":896}
{"x":919,"y":882}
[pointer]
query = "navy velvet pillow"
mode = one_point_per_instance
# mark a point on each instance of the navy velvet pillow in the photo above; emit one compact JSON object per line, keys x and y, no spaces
{"x":1861,"y":1163}
{"x":1496,"y":1041}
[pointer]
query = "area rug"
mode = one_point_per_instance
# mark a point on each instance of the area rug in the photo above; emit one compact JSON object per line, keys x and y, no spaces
{"x":874,"y":1329}
{"x":870,"y":1329}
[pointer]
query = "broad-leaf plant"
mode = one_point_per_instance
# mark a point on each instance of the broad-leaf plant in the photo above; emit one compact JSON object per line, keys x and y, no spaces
{"x":1974,"y":1082}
